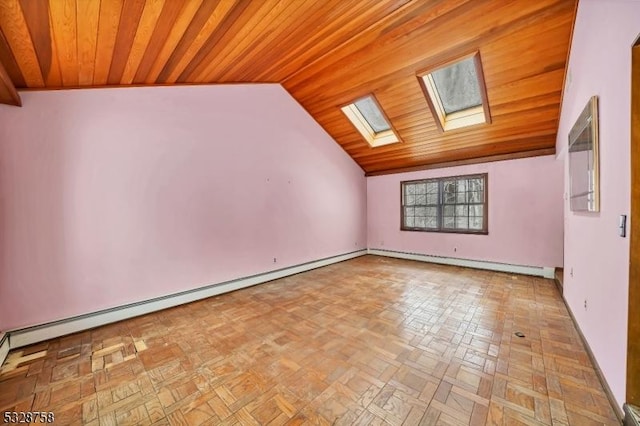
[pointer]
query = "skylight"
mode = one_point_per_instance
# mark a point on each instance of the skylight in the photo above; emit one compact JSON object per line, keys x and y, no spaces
{"x":372,"y":114}
{"x":456,"y":94}
{"x":367,"y":116}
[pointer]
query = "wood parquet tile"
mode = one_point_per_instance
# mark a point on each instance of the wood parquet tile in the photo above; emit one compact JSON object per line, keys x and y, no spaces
{"x":365,"y":342}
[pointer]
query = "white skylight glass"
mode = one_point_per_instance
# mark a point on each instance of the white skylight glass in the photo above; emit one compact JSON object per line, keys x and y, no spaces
{"x":458,"y":86}
{"x":370,"y":111}
{"x":456,"y":94}
{"x":369,"y":119}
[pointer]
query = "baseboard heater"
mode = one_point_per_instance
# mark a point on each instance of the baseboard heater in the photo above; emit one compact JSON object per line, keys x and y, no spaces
{"x":30,"y":335}
{"x":545,"y":272}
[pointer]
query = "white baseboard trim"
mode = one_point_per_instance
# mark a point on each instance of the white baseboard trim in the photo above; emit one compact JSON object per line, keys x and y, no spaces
{"x":545,"y":272}
{"x":4,"y":347}
{"x":39,"y":333}
{"x":619,"y":411}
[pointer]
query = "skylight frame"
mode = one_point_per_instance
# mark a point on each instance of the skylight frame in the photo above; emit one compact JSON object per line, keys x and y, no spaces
{"x":460,"y":119}
{"x":357,"y":119}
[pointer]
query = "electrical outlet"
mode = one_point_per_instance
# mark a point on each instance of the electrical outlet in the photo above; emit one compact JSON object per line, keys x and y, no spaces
{"x":571,"y":272}
{"x":585,"y":304}
{"x":455,"y":249}
{"x":275,"y":260}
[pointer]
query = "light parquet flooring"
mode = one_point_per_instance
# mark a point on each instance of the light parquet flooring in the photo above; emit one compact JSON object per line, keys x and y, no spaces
{"x":368,"y":341}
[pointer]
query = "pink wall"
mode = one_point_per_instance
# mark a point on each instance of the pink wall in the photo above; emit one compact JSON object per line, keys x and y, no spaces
{"x":112,"y":196}
{"x":525,"y":215}
{"x":600,"y":64}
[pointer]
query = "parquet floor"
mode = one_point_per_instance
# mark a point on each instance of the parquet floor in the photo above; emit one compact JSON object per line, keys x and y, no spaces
{"x":368,"y":341}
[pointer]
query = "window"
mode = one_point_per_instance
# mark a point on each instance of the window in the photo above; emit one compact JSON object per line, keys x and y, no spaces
{"x":456,"y":93}
{"x":451,"y":204}
{"x":367,"y":116}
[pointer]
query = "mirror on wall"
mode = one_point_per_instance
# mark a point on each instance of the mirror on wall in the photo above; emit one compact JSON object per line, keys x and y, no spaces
{"x":584,"y":185}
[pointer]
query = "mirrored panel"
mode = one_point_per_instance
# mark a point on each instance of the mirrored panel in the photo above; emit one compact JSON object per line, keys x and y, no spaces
{"x":584,"y":182}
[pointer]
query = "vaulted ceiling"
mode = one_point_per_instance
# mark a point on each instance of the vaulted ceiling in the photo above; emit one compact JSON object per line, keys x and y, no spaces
{"x":326,"y":53}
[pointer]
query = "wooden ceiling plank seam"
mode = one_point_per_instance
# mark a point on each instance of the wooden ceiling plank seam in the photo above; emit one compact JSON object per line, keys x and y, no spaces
{"x":302,"y":26}
{"x":538,"y":84}
{"x":8,"y":93}
{"x":263,"y":47}
{"x":238,"y":15}
{"x":161,"y":32}
{"x":504,"y":77}
{"x":231,"y":53}
{"x":362,"y":153}
{"x":371,"y":156}
{"x":424,"y":137}
{"x":346,"y":42}
{"x":514,"y":43}
{"x":129,"y":21}
{"x":108,"y":25}
{"x":374,"y":70}
{"x":431,"y":155}
{"x":205,"y":21}
{"x":400,"y":151}
{"x":10,"y":64}
{"x":356,"y":88}
{"x":437,"y":158}
{"x":314,"y":21}
{"x":547,"y":101}
{"x":15,"y":29}
{"x":567,"y":57}
{"x":36,"y":15}
{"x":88,"y":15}
{"x":65,"y":34}
{"x":519,"y":113}
{"x":487,"y":159}
{"x":426,"y":134}
{"x":324,"y":35}
{"x":146,"y":27}
{"x":333,"y":36}
{"x":178,"y":31}
{"x":372,"y":42}
{"x":458,"y":155}
{"x":54,"y":78}
{"x":326,"y":39}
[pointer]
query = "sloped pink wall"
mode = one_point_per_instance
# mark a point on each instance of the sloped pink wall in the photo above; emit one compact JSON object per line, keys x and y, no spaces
{"x":113,"y":196}
{"x":525,"y":215}
{"x":600,"y":64}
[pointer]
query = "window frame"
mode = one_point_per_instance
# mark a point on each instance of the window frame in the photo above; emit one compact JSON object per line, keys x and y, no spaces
{"x":458,"y":120}
{"x":359,"y":122}
{"x":441,"y":204}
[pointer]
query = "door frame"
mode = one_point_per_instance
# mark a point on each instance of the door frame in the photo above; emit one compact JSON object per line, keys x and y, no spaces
{"x":633,"y":335}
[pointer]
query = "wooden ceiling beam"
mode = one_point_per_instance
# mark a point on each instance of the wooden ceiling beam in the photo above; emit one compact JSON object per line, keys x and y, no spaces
{"x":8,"y":93}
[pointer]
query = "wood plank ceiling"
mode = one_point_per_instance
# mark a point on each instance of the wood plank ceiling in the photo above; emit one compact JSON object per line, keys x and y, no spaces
{"x":326,"y":53}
